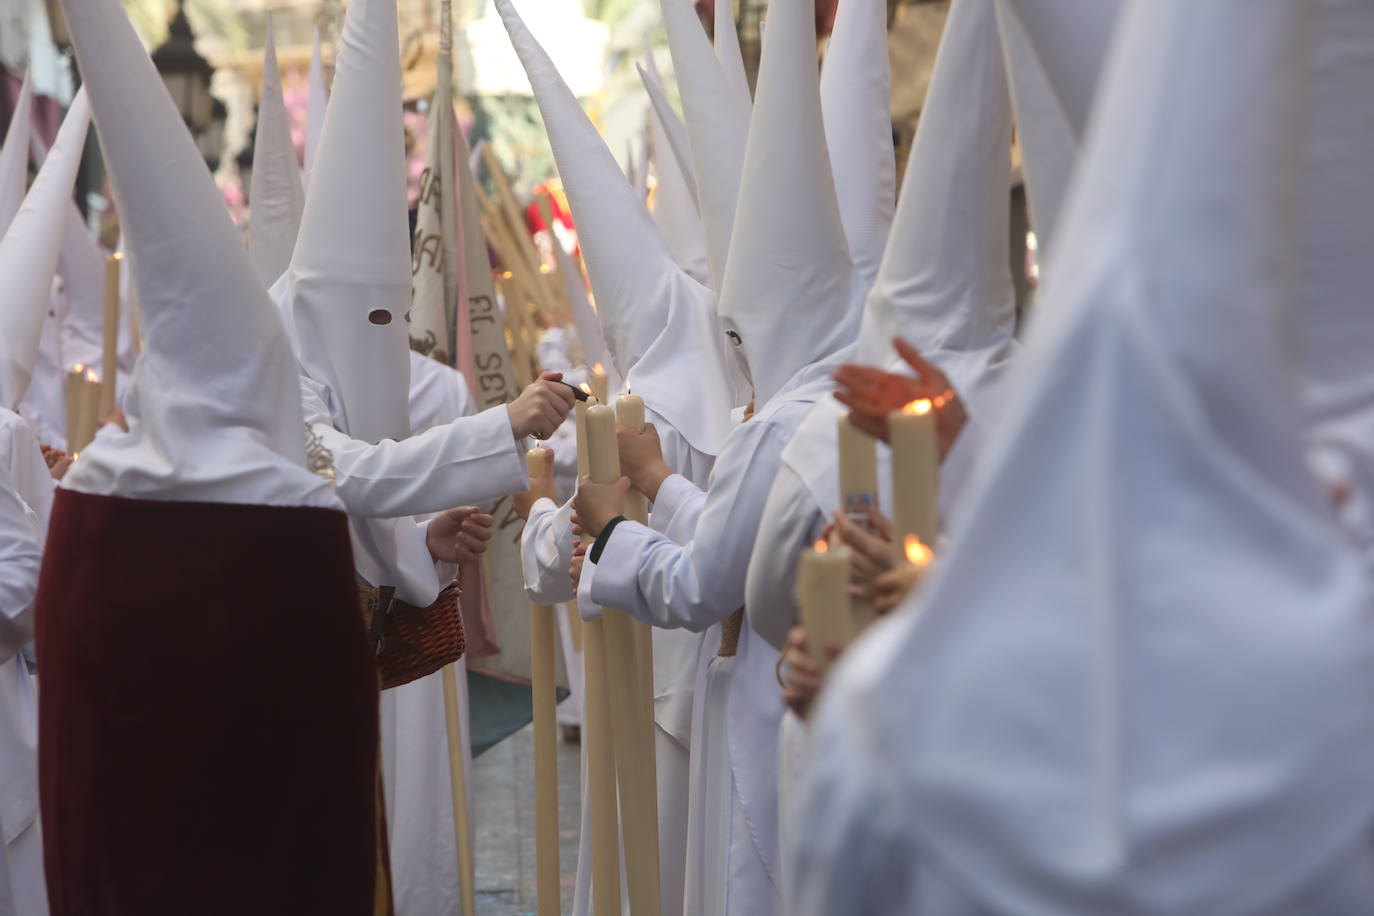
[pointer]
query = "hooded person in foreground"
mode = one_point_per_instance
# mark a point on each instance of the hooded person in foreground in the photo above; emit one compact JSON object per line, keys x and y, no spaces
{"x":1127,"y":689}
{"x":208,"y":721}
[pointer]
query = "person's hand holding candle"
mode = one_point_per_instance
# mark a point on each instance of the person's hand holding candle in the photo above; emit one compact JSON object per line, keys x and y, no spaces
{"x":871,"y":394}
{"x":579,"y":556}
{"x":641,"y":459}
{"x":597,"y":503}
{"x":872,"y":550}
{"x":801,"y":675}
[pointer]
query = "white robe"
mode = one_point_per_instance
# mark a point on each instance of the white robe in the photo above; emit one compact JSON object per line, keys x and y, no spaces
{"x":732,"y":857}
{"x":415,"y":762}
{"x":25,"y":499}
{"x":44,"y":404}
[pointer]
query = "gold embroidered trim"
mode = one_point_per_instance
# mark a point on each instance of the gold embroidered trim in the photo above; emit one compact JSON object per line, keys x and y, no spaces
{"x":729,"y":634}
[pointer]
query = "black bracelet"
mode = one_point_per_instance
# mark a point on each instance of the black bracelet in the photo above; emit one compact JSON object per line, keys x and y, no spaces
{"x":605,"y":535}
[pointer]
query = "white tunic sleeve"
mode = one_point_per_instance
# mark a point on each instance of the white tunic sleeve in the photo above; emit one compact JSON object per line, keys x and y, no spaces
{"x":20,"y":558}
{"x":695,"y":585}
{"x":546,"y":547}
{"x":470,"y":460}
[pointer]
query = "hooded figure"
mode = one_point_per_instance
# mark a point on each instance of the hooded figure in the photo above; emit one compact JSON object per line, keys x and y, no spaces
{"x":944,"y":286}
{"x":28,"y":259}
{"x":209,"y":696}
{"x":347,"y":294}
{"x":661,"y":330}
{"x":788,"y":300}
{"x":277,"y":196}
{"x":1124,"y":690}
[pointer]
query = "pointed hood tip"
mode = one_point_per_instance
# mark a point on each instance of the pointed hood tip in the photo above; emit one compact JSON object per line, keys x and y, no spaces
{"x":14,"y":155}
{"x":655,"y":319}
{"x":277,"y":196}
{"x":788,"y":253}
{"x":351,"y":268}
{"x":29,"y":253}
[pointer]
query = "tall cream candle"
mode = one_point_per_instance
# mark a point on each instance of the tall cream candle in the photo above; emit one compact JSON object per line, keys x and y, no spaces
{"x":109,"y":354}
{"x":823,"y":598}
{"x":458,"y":785}
{"x":637,"y":793}
{"x":542,"y":690}
{"x":915,"y":474}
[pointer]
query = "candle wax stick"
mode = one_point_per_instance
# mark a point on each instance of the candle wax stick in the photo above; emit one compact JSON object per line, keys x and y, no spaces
{"x":858,"y":471}
{"x":109,"y":363}
{"x":823,"y":599}
{"x":601,"y":796}
{"x":462,"y":827}
{"x":633,"y":775}
{"x":915,"y":475}
{"x":545,"y":757}
{"x":599,"y":383}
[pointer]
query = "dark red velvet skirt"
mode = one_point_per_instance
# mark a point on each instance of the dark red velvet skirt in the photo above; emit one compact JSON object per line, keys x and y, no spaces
{"x":207,"y":712}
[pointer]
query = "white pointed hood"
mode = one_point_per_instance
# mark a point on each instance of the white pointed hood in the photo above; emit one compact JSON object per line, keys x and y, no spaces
{"x":277,"y":197}
{"x":317,"y":103}
{"x":214,"y":408}
{"x":675,"y":207}
{"x":1121,"y":691}
{"x":658,"y":322}
{"x":790,"y":290}
{"x":674,"y":131}
{"x":856,"y":99}
{"x":717,"y":128}
{"x":14,"y":156}
{"x":350,"y":273}
{"x":728,"y":54}
{"x":945,"y":283}
{"x":1054,"y":53}
{"x":29,"y":252}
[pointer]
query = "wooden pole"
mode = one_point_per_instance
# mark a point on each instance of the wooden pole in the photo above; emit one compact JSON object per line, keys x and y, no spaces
{"x":545,"y":742}
{"x":109,"y":353}
{"x":634,"y":774}
{"x":462,"y":826}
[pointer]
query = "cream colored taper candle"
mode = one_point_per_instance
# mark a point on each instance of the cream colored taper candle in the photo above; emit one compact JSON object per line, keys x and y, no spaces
{"x":915,"y":474}
{"x":596,"y":733}
{"x":542,"y":690}
{"x":858,"y":494}
{"x":109,"y":354}
{"x":633,"y":774}
{"x":599,"y":383}
{"x":458,"y":784}
{"x":823,"y":598}
{"x":629,"y":413}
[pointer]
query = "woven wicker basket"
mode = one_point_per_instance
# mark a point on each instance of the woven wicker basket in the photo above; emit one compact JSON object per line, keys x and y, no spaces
{"x":412,"y":642}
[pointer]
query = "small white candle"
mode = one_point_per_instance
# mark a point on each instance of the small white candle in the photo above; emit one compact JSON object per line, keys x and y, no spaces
{"x":600,"y":384}
{"x":603,"y":453}
{"x":858,"y":471}
{"x":915,"y":474}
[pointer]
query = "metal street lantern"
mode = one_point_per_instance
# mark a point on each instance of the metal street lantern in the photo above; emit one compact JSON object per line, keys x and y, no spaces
{"x":211,"y":139}
{"x":244,"y":161}
{"x":187,"y":76}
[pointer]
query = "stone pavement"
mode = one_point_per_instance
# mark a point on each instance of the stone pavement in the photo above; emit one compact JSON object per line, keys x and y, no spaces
{"x":504,"y":790}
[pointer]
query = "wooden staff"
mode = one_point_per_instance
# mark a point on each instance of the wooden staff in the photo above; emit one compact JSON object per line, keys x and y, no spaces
{"x":109,"y":353}
{"x":634,"y":776}
{"x":514,"y":216}
{"x":545,"y":741}
{"x":462,"y":828}
{"x":508,"y":236}
{"x":596,"y":733}
{"x":519,"y":348}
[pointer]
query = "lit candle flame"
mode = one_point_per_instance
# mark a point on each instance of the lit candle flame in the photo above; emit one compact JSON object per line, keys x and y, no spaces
{"x":918,"y":407}
{"x":118,"y":255}
{"x":917,"y":554}
{"x":91,"y":376}
{"x":506,"y":275}
{"x":585,"y":387}
{"x":599,"y":369}
{"x":544,"y":269}
{"x":78,"y":368}
{"x":822,"y":546}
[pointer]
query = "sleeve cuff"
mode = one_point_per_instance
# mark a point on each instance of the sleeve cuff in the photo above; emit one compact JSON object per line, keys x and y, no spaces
{"x":601,"y":539}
